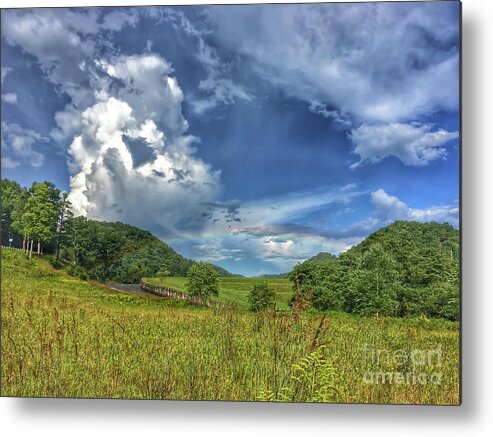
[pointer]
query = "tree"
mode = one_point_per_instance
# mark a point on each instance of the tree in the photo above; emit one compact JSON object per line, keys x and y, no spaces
{"x":11,"y":195}
{"x":375,"y":283}
{"x":39,"y":216}
{"x":203,"y":280}
{"x":18,"y":224}
{"x":303,"y":277}
{"x":261,"y":297}
{"x":329,"y":289}
{"x":83,"y":235}
{"x":65,"y":215}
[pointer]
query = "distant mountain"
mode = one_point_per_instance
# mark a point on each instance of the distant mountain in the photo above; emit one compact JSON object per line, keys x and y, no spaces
{"x":224,"y":273}
{"x":273,"y":276}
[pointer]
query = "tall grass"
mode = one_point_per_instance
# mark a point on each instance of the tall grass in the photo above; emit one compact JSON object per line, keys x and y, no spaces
{"x":65,"y":337}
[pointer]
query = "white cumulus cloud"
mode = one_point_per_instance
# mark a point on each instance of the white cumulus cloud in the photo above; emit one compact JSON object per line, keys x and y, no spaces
{"x":129,"y":154}
{"x":166,"y":191}
{"x":388,"y":208}
{"x":18,"y":144}
{"x":9,"y":98}
{"x":8,"y":162}
{"x":379,"y":62}
{"x":414,"y":144}
{"x":5,"y":71}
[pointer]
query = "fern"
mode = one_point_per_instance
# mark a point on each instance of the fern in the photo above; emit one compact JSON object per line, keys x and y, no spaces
{"x":312,"y":380}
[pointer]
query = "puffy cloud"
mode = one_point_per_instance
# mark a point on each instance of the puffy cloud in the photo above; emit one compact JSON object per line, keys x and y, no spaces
{"x":164,"y":193}
{"x":148,"y":87}
{"x":388,"y":208}
{"x":5,"y":71}
{"x":382,"y":62}
{"x":8,"y":162}
{"x":65,"y":41}
{"x":58,"y":39}
{"x":129,"y":156}
{"x":9,"y":98}
{"x":18,"y":143}
{"x":414,"y":144}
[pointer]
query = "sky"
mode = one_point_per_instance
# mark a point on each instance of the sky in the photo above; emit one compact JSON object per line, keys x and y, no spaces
{"x":252,"y":137}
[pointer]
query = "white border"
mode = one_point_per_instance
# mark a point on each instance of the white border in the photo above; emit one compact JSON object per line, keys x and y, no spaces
{"x":53,"y":417}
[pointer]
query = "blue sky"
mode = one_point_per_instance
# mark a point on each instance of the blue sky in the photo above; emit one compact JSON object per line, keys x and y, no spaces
{"x":248,"y":136}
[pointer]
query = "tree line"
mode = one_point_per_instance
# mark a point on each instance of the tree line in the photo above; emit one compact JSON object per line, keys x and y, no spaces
{"x":34,"y":218}
{"x":40,"y":219}
{"x":407,"y":268}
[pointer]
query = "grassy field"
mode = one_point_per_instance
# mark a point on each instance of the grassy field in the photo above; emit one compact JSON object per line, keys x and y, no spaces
{"x":65,"y":337}
{"x":236,"y":290}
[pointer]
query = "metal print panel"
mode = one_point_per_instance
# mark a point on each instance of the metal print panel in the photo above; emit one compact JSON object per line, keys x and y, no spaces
{"x":236,"y":203}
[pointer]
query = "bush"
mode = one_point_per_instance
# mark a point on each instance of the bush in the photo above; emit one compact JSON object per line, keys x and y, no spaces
{"x":203,"y":280}
{"x":53,"y":261}
{"x":261,"y":297}
{"x":78,"y":271}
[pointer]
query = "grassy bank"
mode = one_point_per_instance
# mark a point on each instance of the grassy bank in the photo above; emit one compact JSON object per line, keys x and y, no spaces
{"x":65,"y":337}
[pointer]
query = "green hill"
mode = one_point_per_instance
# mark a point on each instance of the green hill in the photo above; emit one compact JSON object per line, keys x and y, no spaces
{"x":424,"y":253}
{"x":273,"y":276}
{"x":224,"y":273}
{"x":114,"y":251}
{"x":402,"y":269}
{"x":91,"y":249}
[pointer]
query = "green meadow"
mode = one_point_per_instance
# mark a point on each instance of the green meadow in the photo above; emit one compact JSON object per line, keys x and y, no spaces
{"x":62,"y":336}
{"x":235,"y":291}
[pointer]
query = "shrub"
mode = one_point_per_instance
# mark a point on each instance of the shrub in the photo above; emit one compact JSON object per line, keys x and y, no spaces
{"x":203,"y":280}
{"x":78,"y":271}
{"x":261,"y":297}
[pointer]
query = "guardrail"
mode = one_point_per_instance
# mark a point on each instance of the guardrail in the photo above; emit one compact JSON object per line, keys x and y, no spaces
{"x":18,"y":249}
{"x":175,"y":294}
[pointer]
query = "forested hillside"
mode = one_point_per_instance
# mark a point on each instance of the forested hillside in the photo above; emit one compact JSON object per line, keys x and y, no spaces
{"x":39,"y":219}
{"x":403,"y":269}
